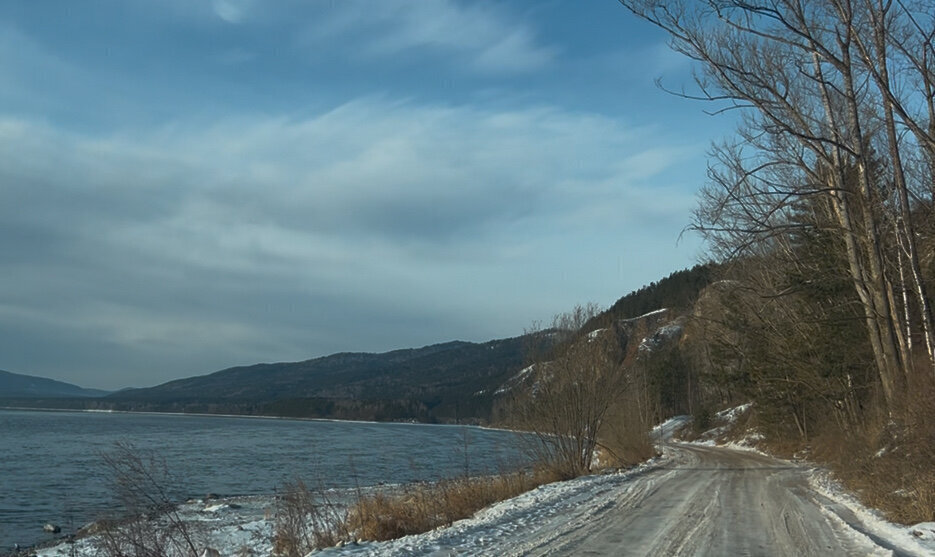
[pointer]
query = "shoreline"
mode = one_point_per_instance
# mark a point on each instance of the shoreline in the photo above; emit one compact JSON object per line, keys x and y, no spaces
{"x":250,"y":416}
{"x":229,"y":532}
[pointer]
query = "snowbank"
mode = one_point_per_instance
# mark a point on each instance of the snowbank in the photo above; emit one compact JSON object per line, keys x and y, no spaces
{"x":913,"y":540}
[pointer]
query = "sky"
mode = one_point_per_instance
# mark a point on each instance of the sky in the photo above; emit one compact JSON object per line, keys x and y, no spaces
{"x":189,"y":185}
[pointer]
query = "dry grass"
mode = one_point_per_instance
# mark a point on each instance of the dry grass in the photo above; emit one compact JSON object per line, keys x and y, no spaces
{"x":895,"y":472}
{"x":422,"y":507}
{"x":896,"y":478}
{"x":307,"y":520}
{"x":888,"y":463}
{"x":625,"y":438}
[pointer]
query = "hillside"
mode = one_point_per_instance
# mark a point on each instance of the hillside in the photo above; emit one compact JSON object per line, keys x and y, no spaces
{"x":677,"y":292}
{"x":16,"y":385}
{"x":443,"y":382}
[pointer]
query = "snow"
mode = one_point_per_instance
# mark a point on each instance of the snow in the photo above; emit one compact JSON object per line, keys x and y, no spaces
{"x":645,"y":315}
{"x":515,"y":380}
{"x":228,"y":525}
{"x":731,"y":414}
{"x":595,"y":333}
{"x":918,"y":539}
{"x":924,"y":532}
{"x":662,"y":334}
{"x":667,"y":429}
{"x":724,"y":420}
{"x":511,"y":519}
{"x":247,"y":525}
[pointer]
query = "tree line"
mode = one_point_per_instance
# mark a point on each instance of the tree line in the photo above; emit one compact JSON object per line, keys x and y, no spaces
{"x":827,"y":187}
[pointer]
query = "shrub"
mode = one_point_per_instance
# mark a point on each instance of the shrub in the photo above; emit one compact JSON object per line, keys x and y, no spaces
{"x":702,"y":419}
{"x":150,"y":525}
{"x":305,"y":520}
{"x":422,"y":507}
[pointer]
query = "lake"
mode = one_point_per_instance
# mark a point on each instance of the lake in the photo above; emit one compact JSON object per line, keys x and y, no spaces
{"x":52,"y":470}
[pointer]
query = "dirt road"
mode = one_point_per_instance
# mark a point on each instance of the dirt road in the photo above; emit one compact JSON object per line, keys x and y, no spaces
{"x":709,"y":501}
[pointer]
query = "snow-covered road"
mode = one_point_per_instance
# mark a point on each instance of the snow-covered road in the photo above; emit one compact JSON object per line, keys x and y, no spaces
{"x":713,"y":501}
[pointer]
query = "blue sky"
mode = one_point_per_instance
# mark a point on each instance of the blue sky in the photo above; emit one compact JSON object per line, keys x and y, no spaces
{"x":187,"y":185}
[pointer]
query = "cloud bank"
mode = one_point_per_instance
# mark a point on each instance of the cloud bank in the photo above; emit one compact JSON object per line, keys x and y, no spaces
{"x":255,"y":238}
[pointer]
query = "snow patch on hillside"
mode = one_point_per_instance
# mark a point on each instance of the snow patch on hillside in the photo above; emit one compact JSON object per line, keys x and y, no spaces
{"x":666,"y":430}
{"x":662,"y":335}
{"x":645,"y":315}
{"x":724,"y":424}
{"x":595,"y":333}
{"x":731,"y":414}
{"x":516,"y":380}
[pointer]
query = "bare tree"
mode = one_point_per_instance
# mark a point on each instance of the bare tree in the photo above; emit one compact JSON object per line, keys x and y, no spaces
{"x":575,"y":384}
{"x":814,"y":128}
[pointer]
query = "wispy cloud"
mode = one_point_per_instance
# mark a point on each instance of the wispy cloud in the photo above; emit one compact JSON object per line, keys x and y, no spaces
{"x":245,"y":181}
{"x":231,"y":11}
{"x":286,"y":228}
{"x":483,"y":37}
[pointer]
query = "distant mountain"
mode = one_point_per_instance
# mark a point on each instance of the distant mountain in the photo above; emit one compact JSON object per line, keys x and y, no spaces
{"x":443,"y":382}
{"x":16,"y":385}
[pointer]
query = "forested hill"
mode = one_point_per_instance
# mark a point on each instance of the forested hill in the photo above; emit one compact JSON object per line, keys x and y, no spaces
{"x":676,"y":292}
{"x":442,"y":382}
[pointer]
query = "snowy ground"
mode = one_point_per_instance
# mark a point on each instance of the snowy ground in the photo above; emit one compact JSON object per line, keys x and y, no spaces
{"x":234,"y":526}
{"x":694,"y":500}
{"x":666,"y":430}
{"x":920,"y":537}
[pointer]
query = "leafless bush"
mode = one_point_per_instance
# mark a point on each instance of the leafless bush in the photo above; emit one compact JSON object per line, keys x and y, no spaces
{"x":577,"y":382}
{"x":625,"y":437}
{"x":149,"y":524}
{"x":307,"y":520}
